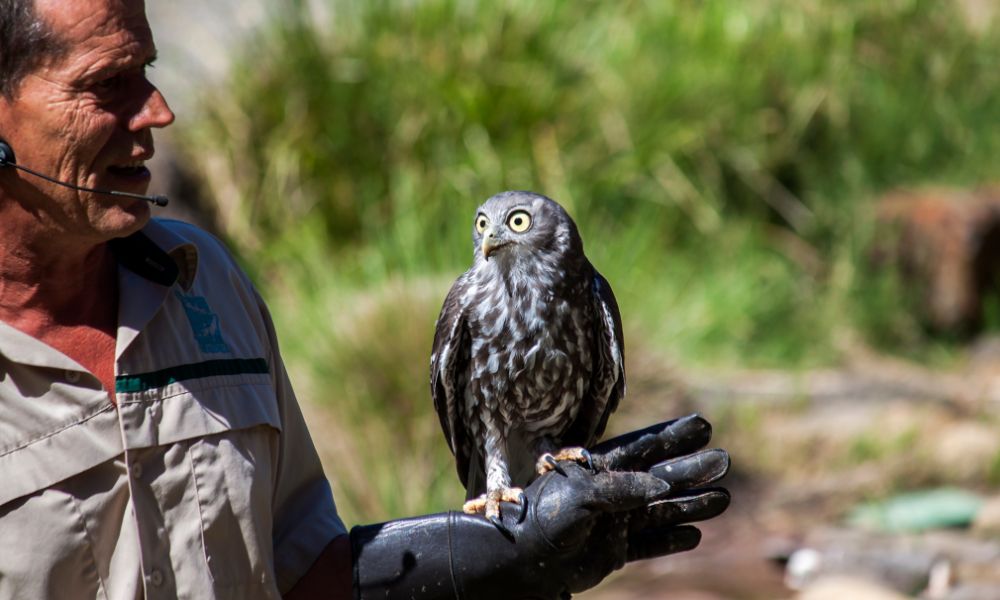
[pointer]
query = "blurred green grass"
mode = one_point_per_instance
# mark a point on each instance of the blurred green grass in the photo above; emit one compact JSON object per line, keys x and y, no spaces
{"x":721,"y":158}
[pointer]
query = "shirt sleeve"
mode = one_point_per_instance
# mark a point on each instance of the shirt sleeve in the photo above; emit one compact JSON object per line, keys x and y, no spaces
{"x":305,"y":515}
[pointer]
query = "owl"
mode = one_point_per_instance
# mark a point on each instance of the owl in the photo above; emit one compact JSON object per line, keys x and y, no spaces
{"x":527,"y":362}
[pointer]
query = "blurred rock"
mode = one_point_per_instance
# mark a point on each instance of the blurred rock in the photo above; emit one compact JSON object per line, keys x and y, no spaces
{"x":901,"y":570}
{"x":947,"y":245}
{"x":972,"y":592}
{"x":196,"y":42}
{"x":946,"y":564}
{"x":967,"y":450}
{"x":844,"y":587}
{"x":987,"y":522}
{"x":174,"y":178}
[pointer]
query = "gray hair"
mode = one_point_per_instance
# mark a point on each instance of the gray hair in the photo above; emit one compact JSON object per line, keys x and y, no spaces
{"x":25,"y":43}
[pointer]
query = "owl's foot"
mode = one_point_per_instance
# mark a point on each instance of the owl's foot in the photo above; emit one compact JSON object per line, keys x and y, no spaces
{"x":488,"y":505}
{"x":550,"y":462}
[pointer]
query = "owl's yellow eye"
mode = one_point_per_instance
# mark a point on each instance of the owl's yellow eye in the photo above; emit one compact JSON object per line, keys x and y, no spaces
{"x":482,"y":223}
{"x":519,"y":221}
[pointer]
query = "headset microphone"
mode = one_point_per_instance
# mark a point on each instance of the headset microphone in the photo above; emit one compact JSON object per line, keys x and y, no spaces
{"x":7,"y":159}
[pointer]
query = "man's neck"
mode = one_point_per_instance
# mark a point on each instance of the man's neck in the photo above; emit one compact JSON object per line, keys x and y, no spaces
{"x":67,"y":300}
{"x":40,"y":288}
{"x":48,"y":273}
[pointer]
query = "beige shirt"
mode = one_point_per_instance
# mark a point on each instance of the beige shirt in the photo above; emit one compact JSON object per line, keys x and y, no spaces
{"x":201,"y":483}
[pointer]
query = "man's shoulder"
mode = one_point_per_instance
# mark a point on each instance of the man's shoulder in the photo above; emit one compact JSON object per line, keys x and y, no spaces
{"x":197,"y":251}
{"x":172,"y":233}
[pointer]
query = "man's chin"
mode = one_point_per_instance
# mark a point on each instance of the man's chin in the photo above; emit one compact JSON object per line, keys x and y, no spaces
{"x":124,"y":219}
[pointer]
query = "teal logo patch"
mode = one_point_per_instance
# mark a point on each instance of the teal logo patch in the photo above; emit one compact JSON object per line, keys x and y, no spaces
{"x":204,"y":324}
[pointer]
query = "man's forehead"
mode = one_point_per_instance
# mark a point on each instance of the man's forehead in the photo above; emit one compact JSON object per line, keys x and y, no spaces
{"x":76,"y":21}
{"x":99,"y":35}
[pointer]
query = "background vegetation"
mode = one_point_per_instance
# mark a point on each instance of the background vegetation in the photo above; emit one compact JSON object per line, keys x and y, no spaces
{"x":721,"y":158}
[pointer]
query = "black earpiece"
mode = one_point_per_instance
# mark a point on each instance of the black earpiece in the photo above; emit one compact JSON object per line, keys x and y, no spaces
{"x":6,"y":154}
{"x":7,"y":159}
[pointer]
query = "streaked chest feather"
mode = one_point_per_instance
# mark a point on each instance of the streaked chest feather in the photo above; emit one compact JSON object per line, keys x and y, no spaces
{"x":531,"y":343}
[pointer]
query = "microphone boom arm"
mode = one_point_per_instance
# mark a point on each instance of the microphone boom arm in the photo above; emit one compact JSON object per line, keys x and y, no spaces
{"x":7,"y":160}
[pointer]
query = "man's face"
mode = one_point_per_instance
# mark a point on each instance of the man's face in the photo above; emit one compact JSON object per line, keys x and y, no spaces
{"x":86,"y":118}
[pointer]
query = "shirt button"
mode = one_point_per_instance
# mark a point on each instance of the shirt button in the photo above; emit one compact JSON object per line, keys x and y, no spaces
{"x":137,"y":470}
{"x":156,"y":577}
{"x":72,"y":376}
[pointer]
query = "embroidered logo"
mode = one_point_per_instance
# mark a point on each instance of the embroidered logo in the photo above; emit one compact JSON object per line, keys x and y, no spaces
{"x":204,"y":324}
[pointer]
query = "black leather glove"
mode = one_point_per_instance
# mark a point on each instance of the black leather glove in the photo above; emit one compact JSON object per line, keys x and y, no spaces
{"x":579,"y":526}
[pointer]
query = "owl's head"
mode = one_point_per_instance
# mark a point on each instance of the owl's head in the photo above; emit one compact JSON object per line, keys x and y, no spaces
{"x":523,"y":225}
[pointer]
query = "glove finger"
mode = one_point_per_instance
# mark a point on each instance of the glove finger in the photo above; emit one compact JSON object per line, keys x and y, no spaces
{"x":696,"y":505}
{"x":694,"y":470}
{"x":651,"y":543}
{"x":616,"y":491}
{"x":639,"y":450}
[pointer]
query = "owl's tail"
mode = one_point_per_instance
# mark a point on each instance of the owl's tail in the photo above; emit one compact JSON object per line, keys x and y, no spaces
{"x":475,"y":483}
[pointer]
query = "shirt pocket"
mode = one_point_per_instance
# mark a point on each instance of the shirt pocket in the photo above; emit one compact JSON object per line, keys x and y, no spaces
{"x":233,"y":474}
{"x":58,"y":455}
{"x":50,"y":547}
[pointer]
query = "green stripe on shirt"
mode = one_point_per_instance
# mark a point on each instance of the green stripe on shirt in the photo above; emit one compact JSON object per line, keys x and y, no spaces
{"x":140,"y":382}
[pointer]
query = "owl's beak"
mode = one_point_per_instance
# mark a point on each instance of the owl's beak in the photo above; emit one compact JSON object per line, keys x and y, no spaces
{"x":491,"y":243}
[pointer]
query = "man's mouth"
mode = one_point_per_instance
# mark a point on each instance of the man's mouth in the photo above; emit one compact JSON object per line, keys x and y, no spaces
{"x":131,"y":169}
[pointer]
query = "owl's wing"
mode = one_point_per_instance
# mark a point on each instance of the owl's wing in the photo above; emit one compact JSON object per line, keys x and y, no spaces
{"x":607,"y":384}
{"x":449,"y":371}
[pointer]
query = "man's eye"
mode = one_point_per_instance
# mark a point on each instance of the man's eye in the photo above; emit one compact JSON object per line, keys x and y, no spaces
{"x":123,"y":77}
{"x":109,"y":82}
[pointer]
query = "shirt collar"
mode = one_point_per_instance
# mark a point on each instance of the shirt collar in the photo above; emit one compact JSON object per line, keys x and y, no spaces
{"x":153,"y":259}
{"x":158,"y":254}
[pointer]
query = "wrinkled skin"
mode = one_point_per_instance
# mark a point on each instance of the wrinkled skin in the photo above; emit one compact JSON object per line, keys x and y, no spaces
{"x":86,"y":110}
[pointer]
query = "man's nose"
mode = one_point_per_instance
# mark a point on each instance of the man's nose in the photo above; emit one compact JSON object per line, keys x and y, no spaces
{"x":154,"y":112}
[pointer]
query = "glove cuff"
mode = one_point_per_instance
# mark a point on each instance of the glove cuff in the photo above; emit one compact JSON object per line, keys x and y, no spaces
{"x":443,"y":556}
{"x":409,"y":558}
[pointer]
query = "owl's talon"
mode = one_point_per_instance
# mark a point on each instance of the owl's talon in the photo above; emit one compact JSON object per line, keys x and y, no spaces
{"x":554,"y":464}
{"x":502,"y":528}
{"x":522,"y":501}
{"x":476,"y":506}
{"x":488,"y":504}
{"x":550,"y":462}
